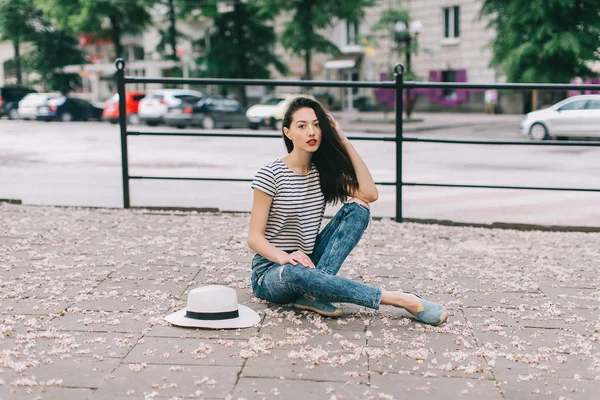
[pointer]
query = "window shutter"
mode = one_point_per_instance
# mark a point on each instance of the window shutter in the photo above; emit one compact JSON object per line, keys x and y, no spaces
{"x":456,"y":21}
{"x":385,"y":96}
{"x":446,"y":22}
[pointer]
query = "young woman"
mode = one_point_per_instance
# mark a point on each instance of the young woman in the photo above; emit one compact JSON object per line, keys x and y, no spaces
{"x":294,"y":262}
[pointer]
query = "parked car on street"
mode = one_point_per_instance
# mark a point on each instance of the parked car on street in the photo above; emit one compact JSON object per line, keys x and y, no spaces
{"x":209,"y":113}
{"x":68,"y":109}
{"x":269,"y":112}
{"x":157,"y":103}
{"x":574,"y":116}
{"x":132,"y":103}
{"x":9,"y":100}
{"x":28,"y":106}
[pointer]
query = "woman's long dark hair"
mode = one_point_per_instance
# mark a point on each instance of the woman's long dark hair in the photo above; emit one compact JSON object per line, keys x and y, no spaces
{"x":337,"y":174}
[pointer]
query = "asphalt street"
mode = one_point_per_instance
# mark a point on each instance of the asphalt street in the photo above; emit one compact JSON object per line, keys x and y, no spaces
{"x":79,"y":164}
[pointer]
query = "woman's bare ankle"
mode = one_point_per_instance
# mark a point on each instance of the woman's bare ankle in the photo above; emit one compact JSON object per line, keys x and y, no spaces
{"x":395,"y":298}
{"x":408,"y":301}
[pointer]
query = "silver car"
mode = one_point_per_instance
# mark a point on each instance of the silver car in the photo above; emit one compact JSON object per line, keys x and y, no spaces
{"x":157,"y":102}
{"x":29,"y":105}
{"x":574,"y":116}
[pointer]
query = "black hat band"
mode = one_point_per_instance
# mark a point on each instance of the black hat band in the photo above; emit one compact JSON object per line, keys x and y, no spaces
{"x":212,"y":316}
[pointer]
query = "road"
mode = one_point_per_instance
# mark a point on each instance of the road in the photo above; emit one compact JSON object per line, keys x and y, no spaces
{"x":80,"y":164}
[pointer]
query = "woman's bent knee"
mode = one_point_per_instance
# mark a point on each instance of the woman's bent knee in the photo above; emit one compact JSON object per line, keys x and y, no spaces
{"x":361,"y":215}
{"x":295,"y":275}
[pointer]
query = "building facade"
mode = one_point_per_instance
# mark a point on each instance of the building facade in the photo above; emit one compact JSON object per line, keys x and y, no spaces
{"x":453,"y":46}
{"x":453,"y":43}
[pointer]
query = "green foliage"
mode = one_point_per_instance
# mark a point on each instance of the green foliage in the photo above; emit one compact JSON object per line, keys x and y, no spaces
{"x":64,"y":83}
{"x":241,"y":43}
{"x":547,"y":41}
{"x":101,"y":17}
{"x":169,"y":36}
{"x":90,"y":15}
{"x":402,"y":41}
{"x":384,"y":28}
{"x":302,"y":34}
{"x":16,"y":18}
{"x":164,"y":44}
{"x":51,"y":49}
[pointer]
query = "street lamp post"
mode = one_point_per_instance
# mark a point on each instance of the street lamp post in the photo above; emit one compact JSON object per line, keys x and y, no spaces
{"x":407,"y":35}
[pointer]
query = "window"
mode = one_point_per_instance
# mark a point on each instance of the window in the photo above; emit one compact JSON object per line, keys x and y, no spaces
{"x":351,"y":33}
{"x":10,"y":72}
{"x":133,"y":53}
{"x":574,"y":105}
{"x":451,"y":22}
{"x":449,"y":76}
{"x":138,"y":53}
{"x":230,"y":105}
{"x":593,"y":105}
{"x":187,"y":98}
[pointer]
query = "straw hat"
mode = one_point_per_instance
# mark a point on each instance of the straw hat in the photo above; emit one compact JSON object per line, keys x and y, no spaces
{"x":214,"y":307}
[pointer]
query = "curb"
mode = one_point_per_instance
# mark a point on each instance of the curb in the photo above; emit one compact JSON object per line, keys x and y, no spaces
{"x":153,"y":210}
{"x":493,"y":225}
{"x":426,"y":128}
{"x":505,"y":225}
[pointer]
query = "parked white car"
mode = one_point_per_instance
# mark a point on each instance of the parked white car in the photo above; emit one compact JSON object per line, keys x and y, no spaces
{"x":29,"y":104}
{"x":269,"y":112}
{"x":157,"y":102}
{"x":575,"y":116}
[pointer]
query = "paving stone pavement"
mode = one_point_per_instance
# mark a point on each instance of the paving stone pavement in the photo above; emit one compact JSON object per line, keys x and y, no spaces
{"x":83,"y":293}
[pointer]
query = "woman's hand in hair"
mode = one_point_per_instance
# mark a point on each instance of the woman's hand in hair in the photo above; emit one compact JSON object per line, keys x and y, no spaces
{"x":298,"y":257}
{"x":337,"y":128}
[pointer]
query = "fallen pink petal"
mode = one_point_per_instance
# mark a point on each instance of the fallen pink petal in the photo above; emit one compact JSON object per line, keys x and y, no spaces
{"x":84,"y":292}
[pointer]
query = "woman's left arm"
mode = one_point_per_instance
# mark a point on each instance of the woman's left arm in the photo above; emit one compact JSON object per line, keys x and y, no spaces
{"x":367,"y":191}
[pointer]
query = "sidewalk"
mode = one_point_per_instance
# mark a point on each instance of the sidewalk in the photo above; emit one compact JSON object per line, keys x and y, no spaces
{"x":83,"y":293}
{"x":379,"y":122}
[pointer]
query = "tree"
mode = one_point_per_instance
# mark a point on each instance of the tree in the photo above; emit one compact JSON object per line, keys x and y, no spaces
{"x":549,"y":41}
{"x":241,"y":42}
{"x":51,"y":50}
{"x":397,"y":25}
{"x":105,"y":18}
{"x":302,"y":32}
{"x":16,"y":17}
{"x":167,"y":46}
{"x":172,"y":33}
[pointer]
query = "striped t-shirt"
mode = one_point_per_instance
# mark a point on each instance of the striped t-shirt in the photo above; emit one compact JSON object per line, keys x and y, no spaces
{"x":297,"y":207}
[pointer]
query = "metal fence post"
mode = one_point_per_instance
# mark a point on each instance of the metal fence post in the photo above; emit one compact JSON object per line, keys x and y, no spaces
{"x":120,"y":63}
{"x":399,"y":73}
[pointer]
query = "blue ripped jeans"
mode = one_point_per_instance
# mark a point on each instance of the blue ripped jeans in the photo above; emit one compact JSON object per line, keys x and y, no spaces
{"x":285,"y":283}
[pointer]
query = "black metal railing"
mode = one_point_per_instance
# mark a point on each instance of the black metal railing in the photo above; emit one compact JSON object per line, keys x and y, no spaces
{"x":398,"y":85}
